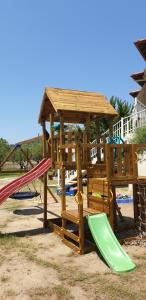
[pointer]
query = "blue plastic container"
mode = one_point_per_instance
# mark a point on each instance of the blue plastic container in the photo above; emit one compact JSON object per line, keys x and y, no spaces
{"x":125,"y":200}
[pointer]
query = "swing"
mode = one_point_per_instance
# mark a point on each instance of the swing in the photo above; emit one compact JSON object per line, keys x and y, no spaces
{"x":26,"y":195}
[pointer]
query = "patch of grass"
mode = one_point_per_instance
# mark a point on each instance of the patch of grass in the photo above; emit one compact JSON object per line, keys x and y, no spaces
{"x":2,"y":259}
{"x":73,"y":276}
{"x":10,"y":293}
{"x":62,"y":292}
{"x":114,"y":291}
{"x":8,"y":241}
{"x":7,"y":221}
{"x":29,"y":254}
{"x":140,"y":257}
{"x":3,"y":225}
{"x":13,"y":206}
{"x":40,"y":293}
{"x":4,"y":278}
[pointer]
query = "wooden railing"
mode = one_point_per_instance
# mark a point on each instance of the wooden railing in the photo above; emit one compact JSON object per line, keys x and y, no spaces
{"x":69,"y":152}
{"x":116,"y":162}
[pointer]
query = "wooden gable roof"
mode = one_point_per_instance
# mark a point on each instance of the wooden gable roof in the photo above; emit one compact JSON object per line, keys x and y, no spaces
{"x":74,"y":105}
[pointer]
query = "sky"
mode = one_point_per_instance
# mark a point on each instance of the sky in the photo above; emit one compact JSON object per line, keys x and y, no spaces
{"x":73,"y":44}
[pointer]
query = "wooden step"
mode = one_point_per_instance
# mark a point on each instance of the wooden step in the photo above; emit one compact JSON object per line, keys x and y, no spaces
{"x":73,"y":215}
{"x":71,"y":235}
{"x":71,"y":245}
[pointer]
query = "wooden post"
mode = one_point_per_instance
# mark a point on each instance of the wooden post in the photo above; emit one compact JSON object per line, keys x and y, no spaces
{"x":134,"y":161}
{"x":80,"y":199}
{"x":52,"y":138}
{"x":45,"y":175}
{"x":87,"y":127}
{"x":70,"y":149}
{"x":135,"y":203}
{"x":113,"y":211}
{"x":63,"y":199}
{"x":7,"y":157}
{"x":110,"y":127}
{"x":84,"y":148}
{"x":108,"y":162}
{"x":98,"y":140}
{"x":88,"y":155}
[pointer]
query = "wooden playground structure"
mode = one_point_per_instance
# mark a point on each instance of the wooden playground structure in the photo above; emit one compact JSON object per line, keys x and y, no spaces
{"x":29,"y":164}
{"x":24,"y":156}
{"x":114,"y":165}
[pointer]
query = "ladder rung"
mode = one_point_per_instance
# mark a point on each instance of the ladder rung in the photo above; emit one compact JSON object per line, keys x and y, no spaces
{"x":71,"y":235}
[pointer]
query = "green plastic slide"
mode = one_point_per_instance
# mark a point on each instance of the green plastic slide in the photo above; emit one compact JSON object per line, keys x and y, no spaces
{"x":110,"y":248}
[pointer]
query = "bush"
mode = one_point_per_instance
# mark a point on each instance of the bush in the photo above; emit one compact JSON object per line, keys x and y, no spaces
{"x":139,"y":136}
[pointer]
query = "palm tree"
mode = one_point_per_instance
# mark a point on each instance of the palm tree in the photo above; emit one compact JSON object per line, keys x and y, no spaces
{"x":123,"y":108}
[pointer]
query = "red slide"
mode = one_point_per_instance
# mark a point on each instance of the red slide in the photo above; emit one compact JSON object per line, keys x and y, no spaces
{"x":16,"y":184}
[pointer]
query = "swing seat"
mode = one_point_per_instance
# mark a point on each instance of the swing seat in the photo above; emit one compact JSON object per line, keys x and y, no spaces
{"x":24,"y":195}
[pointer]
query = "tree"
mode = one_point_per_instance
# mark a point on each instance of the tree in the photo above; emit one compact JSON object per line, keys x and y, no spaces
{"x":4,"y":149}
{"x":139,"y":136}
{"x":123,"y":108}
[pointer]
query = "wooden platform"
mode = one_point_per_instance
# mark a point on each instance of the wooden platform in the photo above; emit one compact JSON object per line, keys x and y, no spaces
{"x":73,"y":215}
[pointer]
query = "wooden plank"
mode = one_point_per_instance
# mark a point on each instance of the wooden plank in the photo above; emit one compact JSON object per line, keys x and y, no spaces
{"x":99,"y":181}
{"x":71,"y":235}
{"x":98,"y":189}
{"x":67,"y":146}
{"x":71,"y":245}
{"x":102,"y":201}
{"x":68,"y":215}
{"x":119,"y":162}
{"x":99,"y":207}
{"x":97,"y":171}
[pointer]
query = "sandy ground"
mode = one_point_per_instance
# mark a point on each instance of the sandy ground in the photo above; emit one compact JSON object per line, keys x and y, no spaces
{"x":35,"y":264}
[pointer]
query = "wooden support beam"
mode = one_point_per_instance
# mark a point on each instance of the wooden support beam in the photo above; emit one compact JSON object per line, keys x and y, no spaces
{"x":135,"y":203}
{"x":87,"y":128}
{"x":62,"y":157}
{"x":108,"y":162}
{"x":26,"y":157}
{"x":52,"y":138}
{"x":70,"y":149}
{"x":41,"y":178}
{"x":110,"y":122}
{"x":87,"y":150}
{"x":98,"y":140}
{"x":30,"y":141}
{"x":45,"y":175}
{"x":113,"y":215}
{"x":84,"y":148}
{"x":7,"y":157}
{"x":80,"y":199}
